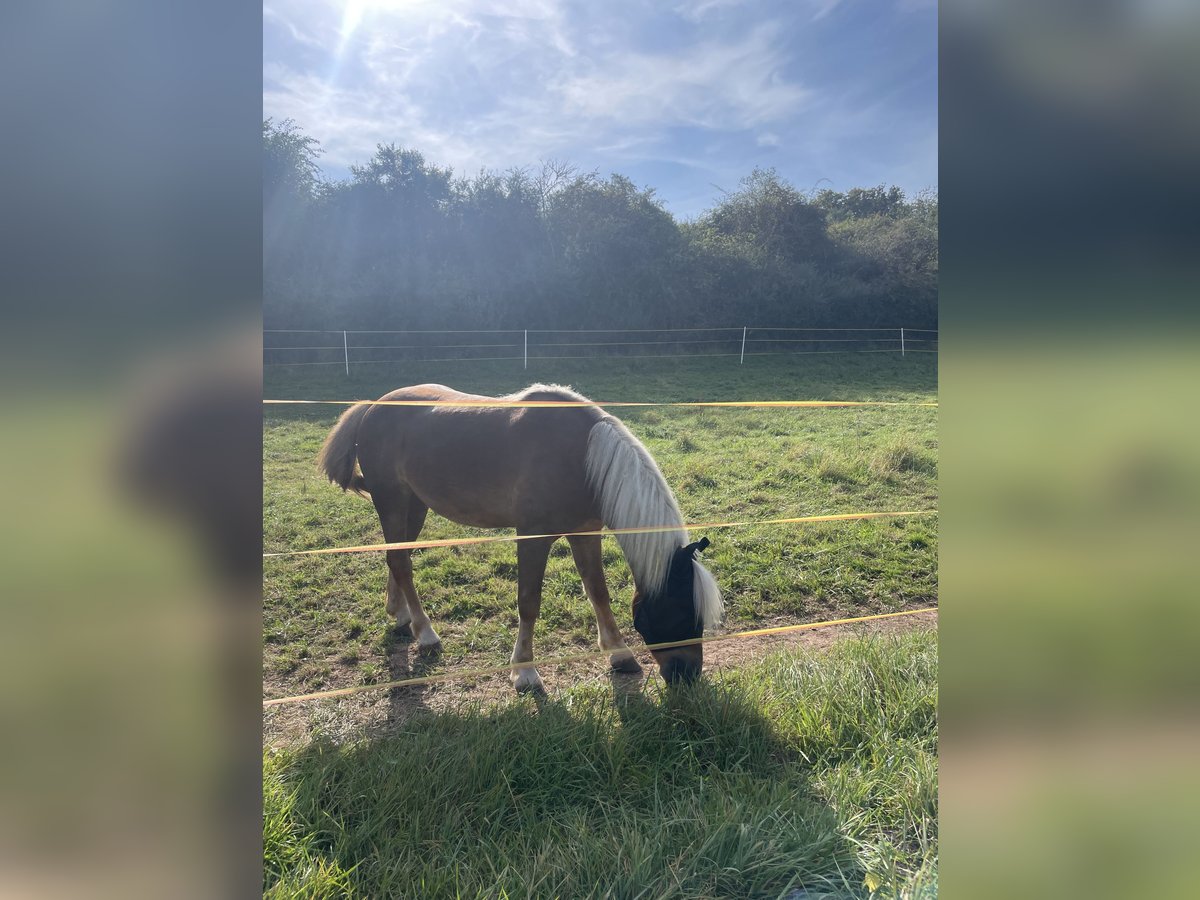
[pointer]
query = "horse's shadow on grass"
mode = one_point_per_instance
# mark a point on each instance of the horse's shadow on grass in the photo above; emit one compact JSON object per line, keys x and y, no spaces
{"x":681,"y":771}
{"x":406,"y":659}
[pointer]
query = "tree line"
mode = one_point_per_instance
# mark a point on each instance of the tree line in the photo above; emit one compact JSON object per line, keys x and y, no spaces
{"x":403,"y":243}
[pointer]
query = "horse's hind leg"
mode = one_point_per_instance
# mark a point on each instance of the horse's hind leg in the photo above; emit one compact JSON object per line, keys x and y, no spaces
{"x":531,"y":572}
{"x":397,"y":603}
{"x":400,"y":565}
{"x":397,"y":597}
{"x":589,"y":561}
{"x":402,"y":515}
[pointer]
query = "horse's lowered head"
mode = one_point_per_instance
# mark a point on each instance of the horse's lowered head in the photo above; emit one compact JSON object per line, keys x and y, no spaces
{"x":688,"y":601}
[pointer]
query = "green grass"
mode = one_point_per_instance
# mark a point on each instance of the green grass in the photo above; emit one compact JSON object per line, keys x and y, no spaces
{"x":324,"y":618}
{"x":814,"y":771}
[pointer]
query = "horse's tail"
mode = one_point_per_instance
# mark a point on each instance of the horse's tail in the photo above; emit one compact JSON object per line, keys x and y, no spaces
{"x":632,"y":493}
{"x":339,"y":455}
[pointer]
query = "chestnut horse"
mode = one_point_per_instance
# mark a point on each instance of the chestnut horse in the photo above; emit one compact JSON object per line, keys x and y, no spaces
{"x":543,"y":471}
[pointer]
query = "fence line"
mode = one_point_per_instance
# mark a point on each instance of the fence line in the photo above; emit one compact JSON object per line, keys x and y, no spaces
{"x":768,"y":328}
{"x":501,"y":402}
{"x":438,"y":331}
{"x":602,"y":343}
{"x":871,"y":340}
{"x":631,"y":330}
{"x":733,"y":329}
{"x":582,"y":657}
{"x":396,"y":362}
{"x":822,"y":340}
{"x":460,"y":359}
{"x":634,"y":343}
{"x":645,"y":529}
{"x":393,"y":347}
{"x":567,"y":330}
{"x":317,"y":347}
{"x":469,"y":359}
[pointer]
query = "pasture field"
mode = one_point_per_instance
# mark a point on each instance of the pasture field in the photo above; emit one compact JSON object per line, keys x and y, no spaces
{"x":812,"y":770}
{"x":324,"y":619}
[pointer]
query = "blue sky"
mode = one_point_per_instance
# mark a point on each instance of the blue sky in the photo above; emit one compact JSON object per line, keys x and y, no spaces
{"x":686,"y":98}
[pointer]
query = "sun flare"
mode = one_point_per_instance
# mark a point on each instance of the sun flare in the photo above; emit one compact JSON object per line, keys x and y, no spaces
{"x":352,"y":16}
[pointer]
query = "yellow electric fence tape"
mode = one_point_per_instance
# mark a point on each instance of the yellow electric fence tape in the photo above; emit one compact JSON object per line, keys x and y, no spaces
{"x":566,"y":404}
{"x":649,"y":529}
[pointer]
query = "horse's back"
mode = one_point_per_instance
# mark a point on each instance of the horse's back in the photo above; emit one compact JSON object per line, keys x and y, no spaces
{"x":429,"y":392}
{"x":496,"y":466}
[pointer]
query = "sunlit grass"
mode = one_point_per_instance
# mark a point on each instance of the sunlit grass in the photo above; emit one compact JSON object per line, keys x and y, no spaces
{"x":804,"y":771}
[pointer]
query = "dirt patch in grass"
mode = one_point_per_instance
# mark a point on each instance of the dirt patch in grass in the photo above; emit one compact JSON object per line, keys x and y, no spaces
{"x":375,"y":713}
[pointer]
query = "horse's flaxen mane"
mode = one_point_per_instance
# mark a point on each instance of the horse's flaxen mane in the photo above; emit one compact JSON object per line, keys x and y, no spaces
{"x":632,"y":493}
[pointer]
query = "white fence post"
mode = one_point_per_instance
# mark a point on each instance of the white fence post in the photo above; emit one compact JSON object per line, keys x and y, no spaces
{"x":901,"y":341}
{"x":346,"y":350}
{"x":742,"y":361}
{"x":527,"y":348}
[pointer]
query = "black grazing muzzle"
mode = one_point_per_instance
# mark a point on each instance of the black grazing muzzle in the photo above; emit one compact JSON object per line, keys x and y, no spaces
{"x":670,"y":615}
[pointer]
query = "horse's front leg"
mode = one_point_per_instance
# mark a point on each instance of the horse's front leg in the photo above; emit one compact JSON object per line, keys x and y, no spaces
{"x":531,"y":572}
{"x":589,"y":560}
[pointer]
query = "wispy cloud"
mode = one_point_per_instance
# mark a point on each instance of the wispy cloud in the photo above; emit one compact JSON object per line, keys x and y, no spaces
{"x":272,"y":16}
{"x":699,"y":10}
{"x":714,"y":84}
{"x":822,"y":8}
{"x":519,"y":84}
{"x":475,"y":83}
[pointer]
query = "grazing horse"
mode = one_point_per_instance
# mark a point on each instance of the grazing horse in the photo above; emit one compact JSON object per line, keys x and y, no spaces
{"x":490,"y":463}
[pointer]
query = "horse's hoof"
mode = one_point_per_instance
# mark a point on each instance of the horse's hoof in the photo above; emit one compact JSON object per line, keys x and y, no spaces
{"x":528,"y":681}
{"x":429,"y":641}
{"x":624,"y":662}
{"x":404,"y":630}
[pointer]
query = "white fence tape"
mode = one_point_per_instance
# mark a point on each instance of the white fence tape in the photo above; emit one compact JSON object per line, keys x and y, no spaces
{"x":742,"y":341}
